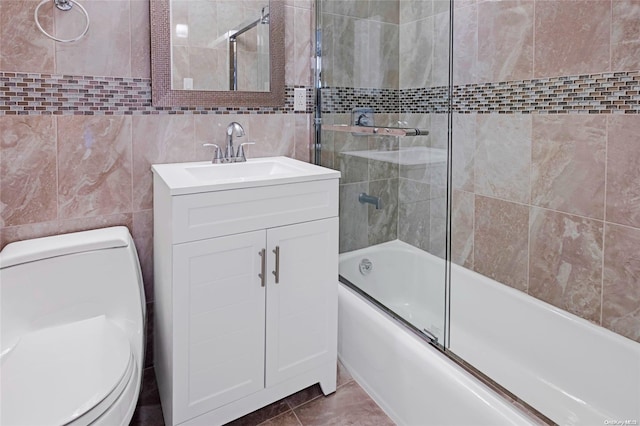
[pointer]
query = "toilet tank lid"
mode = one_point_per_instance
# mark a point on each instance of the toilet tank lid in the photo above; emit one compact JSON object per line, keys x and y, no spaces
{"x":64,"y":244}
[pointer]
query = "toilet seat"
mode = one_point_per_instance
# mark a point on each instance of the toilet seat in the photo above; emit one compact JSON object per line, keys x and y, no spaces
{"x":70,"y":373}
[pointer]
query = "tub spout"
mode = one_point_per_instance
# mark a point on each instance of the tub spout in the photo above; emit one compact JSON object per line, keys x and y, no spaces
{"x":370,"y":199}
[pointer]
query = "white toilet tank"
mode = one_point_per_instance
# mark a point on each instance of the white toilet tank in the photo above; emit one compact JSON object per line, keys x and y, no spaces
{"x":53,"y":281}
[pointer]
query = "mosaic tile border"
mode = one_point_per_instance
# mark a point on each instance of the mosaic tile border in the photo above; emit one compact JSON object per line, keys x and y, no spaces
{"x":605,"y":93}
{"x":46,"y":94}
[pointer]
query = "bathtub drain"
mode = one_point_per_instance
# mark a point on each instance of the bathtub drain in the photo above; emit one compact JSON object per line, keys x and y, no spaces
{"x":366,"y":266}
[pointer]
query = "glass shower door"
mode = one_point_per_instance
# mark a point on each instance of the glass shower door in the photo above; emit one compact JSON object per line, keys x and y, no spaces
{"x":383,"y":92}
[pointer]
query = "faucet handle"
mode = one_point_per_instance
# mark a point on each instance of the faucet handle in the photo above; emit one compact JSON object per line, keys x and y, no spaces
{"x":240,"y":157}
{"x":217,"y":153}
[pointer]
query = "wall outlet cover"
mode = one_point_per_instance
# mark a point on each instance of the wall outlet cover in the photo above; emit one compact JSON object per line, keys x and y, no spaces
{"x":300,"y":99}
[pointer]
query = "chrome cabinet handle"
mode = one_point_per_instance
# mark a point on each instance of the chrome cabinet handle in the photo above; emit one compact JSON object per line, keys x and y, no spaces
{"x":277,"y":271}
{"x":263,"y":254}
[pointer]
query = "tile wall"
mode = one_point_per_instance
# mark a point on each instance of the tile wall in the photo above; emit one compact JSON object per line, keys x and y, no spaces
{"x":546,"y":129}
{"x":548,"y":203}
{"x":64,"y":170}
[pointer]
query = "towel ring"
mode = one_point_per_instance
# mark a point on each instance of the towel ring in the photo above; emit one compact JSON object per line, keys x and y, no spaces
{"x":63,"y":5}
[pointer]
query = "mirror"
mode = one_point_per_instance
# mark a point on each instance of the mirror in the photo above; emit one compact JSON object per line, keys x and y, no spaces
{"x":212,"y":53}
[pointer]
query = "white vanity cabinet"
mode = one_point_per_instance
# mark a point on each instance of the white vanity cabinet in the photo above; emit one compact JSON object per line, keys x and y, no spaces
{"x":245,"y":295}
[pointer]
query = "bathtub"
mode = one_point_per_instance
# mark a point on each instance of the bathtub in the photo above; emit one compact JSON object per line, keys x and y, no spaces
{"x":570,"y":370}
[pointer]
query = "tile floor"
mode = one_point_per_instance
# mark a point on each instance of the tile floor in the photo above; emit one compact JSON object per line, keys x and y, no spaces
{"x":349,"y":405}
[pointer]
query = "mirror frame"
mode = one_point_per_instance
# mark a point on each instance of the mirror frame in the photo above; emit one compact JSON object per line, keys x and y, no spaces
{"x":162,"y":95}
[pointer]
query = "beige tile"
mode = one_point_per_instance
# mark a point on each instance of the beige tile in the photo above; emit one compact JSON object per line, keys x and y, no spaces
{"x":565,"y":262}
{"x":26,"y":232}
{"x":625,"y":35}
{"x":384,"y":11}
{"x":505,"y":40}
{"x":24,"y":48}
{"x":106,"y":48}
{"x":463,"y":151}
{"x":303,"y":48}
{"x":140,"y":39}
{"x":572,"y":37}
{"x":286,"y":419}
{"x":94,"y":166}
{"x":416,"y":63}
{"x":158,"y":139}
{"x":96,"y":222}
{"x":500,"y":241}
{"x":142,"y":232}
{"x":462,"y":212}
{"x":410,"y":11}
{"x":28,"y":173}
{"x":383,"y":67}
{"x":623,"y":179}
{"x":465,"y":45}
{"x":273,"y":135}
{"x":304,"y":396}
{"x":568,"y":164}
{"x":348,"y":405}
{"x":502,"y":163}
{"x":263,"y":414}
{"x":621,"y":291}
{"x":303,"y":137}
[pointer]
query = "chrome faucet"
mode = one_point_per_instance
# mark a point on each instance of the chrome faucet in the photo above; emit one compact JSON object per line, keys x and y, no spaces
{"x":234,"y":126}
{"x":229,"y":155}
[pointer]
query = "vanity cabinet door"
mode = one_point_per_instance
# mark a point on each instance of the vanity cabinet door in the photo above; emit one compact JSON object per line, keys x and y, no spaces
{"x":219,"y":322}
{"x":302,"y":305}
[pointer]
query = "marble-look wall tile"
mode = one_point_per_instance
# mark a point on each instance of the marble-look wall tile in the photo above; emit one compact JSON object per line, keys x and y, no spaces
{"x":142,"y":232}
{"x":302,"y":47}
{"x":416,"y":69}
{"x":382,"y":170}
{"x":11,"y":234}
{"x":568,"y":163}
{"x":414,"y":224}
{"x":383,"y":223}
{"x":28,"y":174}
{"x":353,"y":8}
{"x":354,"y":222}
{"x":438,"y":221}
{"x":99,"y":183}
{"x":158,"y":139}
{"x":462,"y":211}
{"x":96,"y":222}
{"x":303,"y":138}
{"x":625,"y":35}
{"x":140,"y":39}
{"x":572,"y":37}
{"x":24,"y":48}
{"x":273,"y":135}
{"x":385,"y":11}
{"x":463,"y":151}
{"x":441,"y":27}
{"x":414,"y":10}
{"x":565,"y":262}
{"x":623,"y":163}
{"x":465,"y":45}
{"x":505,"y":40}
{"x":500,"y":241}
{"x":106,"y":48}
{"x":621,"y":287}
{"x":503,"y":157}
{"x":411,"y":191}
{"x":383,"y":69}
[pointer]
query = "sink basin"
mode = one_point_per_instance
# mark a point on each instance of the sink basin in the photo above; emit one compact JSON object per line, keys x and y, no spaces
{"x":247,"y":170}
{"x":188,"y":178}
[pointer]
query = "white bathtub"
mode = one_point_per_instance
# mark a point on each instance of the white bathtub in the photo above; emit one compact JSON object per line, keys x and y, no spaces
{"x":567,"y":368}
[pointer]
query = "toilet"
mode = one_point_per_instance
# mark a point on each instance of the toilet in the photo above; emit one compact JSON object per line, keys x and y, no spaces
{"x":72,"y":317}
